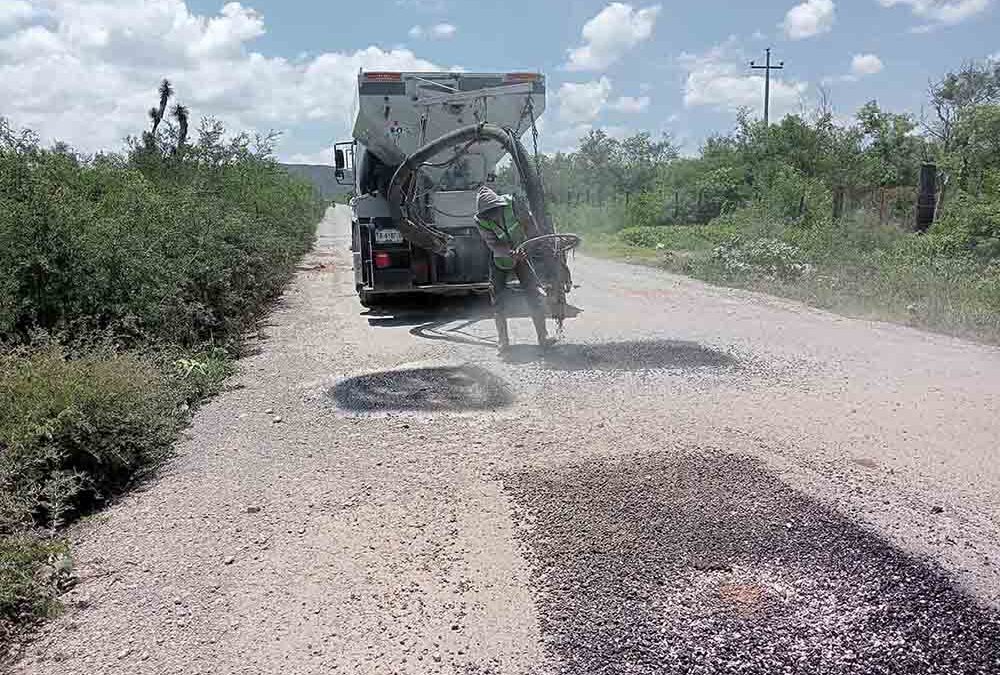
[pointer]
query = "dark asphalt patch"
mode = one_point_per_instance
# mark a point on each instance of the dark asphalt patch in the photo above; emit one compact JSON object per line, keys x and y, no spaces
{"x":624,"y":356}
{"x":712,"y":565}
{"x":443,"y":388}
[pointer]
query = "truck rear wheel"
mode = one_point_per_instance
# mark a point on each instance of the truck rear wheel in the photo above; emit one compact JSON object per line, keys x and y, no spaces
{"x":366,"y":299}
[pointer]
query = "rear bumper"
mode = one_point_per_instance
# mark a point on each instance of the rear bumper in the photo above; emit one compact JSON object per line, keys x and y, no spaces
{"x":434,"y":289}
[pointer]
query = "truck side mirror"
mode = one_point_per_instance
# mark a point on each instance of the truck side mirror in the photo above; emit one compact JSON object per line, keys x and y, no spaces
{"x":339,"y":162}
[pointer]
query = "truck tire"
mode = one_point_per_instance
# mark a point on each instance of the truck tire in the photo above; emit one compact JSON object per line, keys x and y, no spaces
{"x":366,"y":299}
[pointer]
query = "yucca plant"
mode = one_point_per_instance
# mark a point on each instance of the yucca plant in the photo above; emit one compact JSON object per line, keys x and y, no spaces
{"x":181,"y":114}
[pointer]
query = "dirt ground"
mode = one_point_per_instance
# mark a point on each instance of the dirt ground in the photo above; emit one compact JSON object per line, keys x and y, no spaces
{"x":695,"y":480}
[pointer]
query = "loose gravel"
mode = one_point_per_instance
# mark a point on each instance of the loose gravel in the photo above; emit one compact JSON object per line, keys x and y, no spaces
{"x":709,"y":564}
{"x":694,"y":480}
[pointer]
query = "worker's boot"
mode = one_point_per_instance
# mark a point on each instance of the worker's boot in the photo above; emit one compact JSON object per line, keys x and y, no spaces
{"x":538,"y":318}
{"x":503,"y":337}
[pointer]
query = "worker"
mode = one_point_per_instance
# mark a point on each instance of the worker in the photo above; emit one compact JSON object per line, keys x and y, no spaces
{"x":503,"y":223}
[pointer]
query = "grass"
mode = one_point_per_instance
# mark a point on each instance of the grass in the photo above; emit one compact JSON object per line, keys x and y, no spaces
{"x":126,"y":286}
{"x":856,"y":267}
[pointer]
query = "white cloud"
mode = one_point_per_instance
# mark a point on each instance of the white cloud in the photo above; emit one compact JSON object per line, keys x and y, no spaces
{"x":940,"y":12}
{"x":609,"y":35}
{"x":14,"y":12}
{"x":582,"y":102}
{"x":810,"y":18}
{"x":862,"y":65}
{"x":866,"y":64}
{"x":630,"y":104}
{"x":439,"y":31}
{"x":944,"y":11}
{"x":88,"y":72}
{"x":718,"y":79}
{"x":324,"y":156}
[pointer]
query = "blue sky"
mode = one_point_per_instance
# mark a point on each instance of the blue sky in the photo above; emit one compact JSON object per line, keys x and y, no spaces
{"x":86,"y":70}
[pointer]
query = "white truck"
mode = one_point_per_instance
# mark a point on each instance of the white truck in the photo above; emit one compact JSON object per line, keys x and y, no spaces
{"x":422,"y":145}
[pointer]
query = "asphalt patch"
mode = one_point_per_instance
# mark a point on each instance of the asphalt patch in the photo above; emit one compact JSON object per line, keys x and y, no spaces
{"x":633,"y":355}
{"x":712,"y":565}
{"x":442,"y":388}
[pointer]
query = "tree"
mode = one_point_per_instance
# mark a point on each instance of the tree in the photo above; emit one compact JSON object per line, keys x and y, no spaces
{"x":974,"y":84}
{"x":180,"y":114}
{"x":893,"y":153}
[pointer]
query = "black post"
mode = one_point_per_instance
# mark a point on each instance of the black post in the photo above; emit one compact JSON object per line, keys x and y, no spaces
{"x":838,"y":203}
{"x":927,"y":196}
{"x":677,"y":205}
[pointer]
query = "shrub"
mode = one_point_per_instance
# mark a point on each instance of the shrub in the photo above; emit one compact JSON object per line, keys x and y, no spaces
{"x":761,"y":257}
{"x":677,"y":237}
{"x":970,"y":225}
{"x":75,"y":431}
{"x":126,"y":283}
{"x":152,"y":248}
{"x":31,"y":569}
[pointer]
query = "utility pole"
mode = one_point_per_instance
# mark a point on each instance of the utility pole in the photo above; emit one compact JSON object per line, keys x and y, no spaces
{"x":767,"y":68}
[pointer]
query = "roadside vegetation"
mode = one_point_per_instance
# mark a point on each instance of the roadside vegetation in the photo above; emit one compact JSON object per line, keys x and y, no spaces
{"x":127,"y":284}
{"x":813,"y":208}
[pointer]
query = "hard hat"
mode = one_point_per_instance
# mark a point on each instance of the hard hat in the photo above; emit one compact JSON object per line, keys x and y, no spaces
{"x":487,"y":200}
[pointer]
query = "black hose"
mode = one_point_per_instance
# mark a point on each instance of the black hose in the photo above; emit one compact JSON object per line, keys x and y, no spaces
{"x":434,"y":239}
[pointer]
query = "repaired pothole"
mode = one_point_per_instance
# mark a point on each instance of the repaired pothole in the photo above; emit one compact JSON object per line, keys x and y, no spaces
{"x":439,"y":388}
{"x":697,"y":564}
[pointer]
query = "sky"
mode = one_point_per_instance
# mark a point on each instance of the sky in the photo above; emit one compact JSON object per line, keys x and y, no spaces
{"x":85,"y":71}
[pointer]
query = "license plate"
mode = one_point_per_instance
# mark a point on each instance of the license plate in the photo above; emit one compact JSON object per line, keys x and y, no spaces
{"x":388,"y":237}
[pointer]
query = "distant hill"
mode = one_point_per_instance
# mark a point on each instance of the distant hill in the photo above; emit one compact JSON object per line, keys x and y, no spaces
{"x":321,"y":176}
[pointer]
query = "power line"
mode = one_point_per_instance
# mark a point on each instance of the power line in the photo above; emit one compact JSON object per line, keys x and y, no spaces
{"x":767,"y":68}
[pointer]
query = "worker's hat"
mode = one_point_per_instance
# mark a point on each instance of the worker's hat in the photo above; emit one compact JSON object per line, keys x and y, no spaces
{"x":487,"y":200}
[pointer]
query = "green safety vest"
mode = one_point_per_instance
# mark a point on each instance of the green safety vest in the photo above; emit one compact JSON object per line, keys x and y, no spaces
{"x":507,"y":232}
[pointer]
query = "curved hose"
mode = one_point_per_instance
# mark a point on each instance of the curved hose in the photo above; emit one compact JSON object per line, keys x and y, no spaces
{"x":555,"y":274}
{"x":434,"y":239}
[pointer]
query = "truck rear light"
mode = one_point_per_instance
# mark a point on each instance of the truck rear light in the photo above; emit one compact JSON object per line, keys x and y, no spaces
{"x":383,"y":77}
{"x":521,"y":77}
{"x":383,"y":260}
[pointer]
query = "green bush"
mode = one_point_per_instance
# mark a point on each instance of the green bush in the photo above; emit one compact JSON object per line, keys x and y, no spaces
{"x":30,"y":568}
{"x":154,"y":248}
{"x":760,"y":257}
{"x":75,"y":431}
{"x":970,"y":226}
{"x":677,"y":237}
{"x":126,"y":283}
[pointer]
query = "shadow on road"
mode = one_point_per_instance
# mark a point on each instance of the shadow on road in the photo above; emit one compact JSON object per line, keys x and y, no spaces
{"x":448,"y":319}
{"x":627,"y":355}
{"x":713,"y":565}
{"x":443,"y":388}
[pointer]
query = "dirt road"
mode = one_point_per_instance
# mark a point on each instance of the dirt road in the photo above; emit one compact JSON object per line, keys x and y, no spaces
{"x":697,"y":480}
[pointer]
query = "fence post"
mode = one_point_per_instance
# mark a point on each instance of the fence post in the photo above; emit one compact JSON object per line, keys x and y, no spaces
{"x":677,"y":205}
{"x":881,"y":207}
{"x":926,"y":197}
{"x":626,"y":197}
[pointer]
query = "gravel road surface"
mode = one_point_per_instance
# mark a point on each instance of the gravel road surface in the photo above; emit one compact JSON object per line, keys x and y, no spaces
{"x":696,"y":480}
